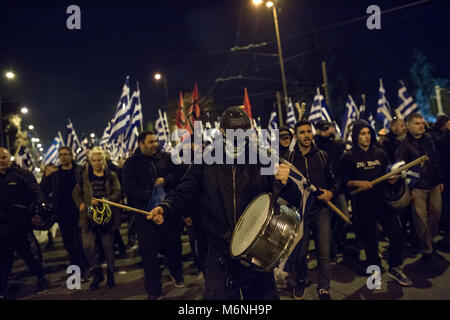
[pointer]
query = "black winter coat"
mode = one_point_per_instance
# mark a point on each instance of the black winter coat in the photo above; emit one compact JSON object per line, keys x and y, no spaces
{"x":19,"y":190}
{"x":140,"y":172}
{"x":411,"y":149}
{"x":225,"y":191}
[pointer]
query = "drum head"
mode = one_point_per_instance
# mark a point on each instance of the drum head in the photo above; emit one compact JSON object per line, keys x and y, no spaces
{"x":250,"y":224}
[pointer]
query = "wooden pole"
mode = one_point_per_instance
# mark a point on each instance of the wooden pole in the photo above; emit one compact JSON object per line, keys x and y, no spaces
{"x":329,"y":203}
{"x":394,"y":172}
{"x":121,"y":206}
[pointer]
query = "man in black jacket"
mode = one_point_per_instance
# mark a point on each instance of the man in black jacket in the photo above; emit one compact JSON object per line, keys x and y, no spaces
{"x":226,"y":190}
{"x":397,"y":133}
{"x":142,"y":172}
{"x":360,"y":165}
{"x":58,"y":186}
{"x":426,"y":194}
{"x":18,"y":192}
{"x":315,"y":166}
{"x":326,"y":140}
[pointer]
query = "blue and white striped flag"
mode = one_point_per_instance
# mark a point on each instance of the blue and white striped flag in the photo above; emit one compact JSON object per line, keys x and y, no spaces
{"x":406,"y":104}
{"x":78,"y":149}
{"x":273,"y":125}
{"x":161,"y":131}
{"x":23,"y":159}
{"x":105,"y":137}
{"x":411,"y":176}
{"x":51,"y":156}
{"x":383,"y":111}
{"x":350,"y":115}
{"x":319,"y":110}
{"x":121,"y":121}
{"x":136,"y":121}
{"x":291,"y":119}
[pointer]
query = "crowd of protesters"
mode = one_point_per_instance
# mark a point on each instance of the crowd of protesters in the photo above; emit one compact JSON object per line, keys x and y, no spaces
{"x":207,"y":201}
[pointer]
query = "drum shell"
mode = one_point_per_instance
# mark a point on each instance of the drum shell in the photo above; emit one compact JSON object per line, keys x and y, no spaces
{"x":274,"y":239}
{"x":397,"y":195}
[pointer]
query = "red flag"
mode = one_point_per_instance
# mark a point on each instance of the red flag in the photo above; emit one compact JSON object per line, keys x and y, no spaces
{"x":247,"y":105}
{"x":194,"y":110}
{"x":181,"y":117}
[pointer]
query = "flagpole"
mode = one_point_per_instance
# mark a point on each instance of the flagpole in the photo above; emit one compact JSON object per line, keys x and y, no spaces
{"x":142,"y":113}
{"x":62,"y":140}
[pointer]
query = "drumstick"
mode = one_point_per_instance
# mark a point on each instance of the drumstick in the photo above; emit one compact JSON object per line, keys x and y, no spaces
{"x":329,"y":203}
{"x":394,"y":172}
{"x":121,"y":206}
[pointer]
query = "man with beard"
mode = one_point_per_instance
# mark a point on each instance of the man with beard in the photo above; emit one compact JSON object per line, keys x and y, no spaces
{"x":397,"y":133}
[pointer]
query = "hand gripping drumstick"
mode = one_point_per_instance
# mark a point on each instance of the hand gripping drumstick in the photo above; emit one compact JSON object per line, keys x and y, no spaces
{"x":124,"y":207}
{"x":329,"y":203}
{"x":394,"y":172}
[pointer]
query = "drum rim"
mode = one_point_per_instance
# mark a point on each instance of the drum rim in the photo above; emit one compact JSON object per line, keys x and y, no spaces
{"x":264,"y":226}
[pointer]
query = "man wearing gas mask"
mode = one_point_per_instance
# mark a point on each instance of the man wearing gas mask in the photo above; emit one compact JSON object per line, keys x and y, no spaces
{"x":226,"y":188}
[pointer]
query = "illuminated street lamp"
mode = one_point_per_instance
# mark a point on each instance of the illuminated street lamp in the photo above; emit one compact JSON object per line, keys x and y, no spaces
{"x":158,"y":77}
{"x":271,"y":4}
{"x":24,"y":110}
{"x":10,"y":75}
{"x":92,"y":135}
{"x":30,"y":127}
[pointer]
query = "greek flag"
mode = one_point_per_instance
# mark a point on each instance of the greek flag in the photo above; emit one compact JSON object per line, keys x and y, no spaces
{"x":23,"y":159}
{"x":136,"y":121}
{"x":319,"y":110}
{"x":383,"y":110}
{"x":121,"y":121}
{"x":105,"y":137}
{"x":161,"y":132}
{"x":273,"y":125}
{"x":406,"y":104}
{"x":73,"y":143}
{"x":411,"y":176}
{"x":350,"y":115}
{"x":51,"y":156}
{"x":291,"y":120}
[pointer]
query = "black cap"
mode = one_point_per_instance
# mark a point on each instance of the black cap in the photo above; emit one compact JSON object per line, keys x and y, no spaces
{"x":234,"y":118}
{"x":323,"y":125}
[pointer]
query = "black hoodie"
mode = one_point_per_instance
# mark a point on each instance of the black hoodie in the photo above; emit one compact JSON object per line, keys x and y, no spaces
{"x":357,"y":164}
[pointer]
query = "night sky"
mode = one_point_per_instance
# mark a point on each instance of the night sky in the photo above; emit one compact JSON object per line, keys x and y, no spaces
{"x":78,"y":74}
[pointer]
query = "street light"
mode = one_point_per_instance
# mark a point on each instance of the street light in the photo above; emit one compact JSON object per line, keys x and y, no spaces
{"x":30,"y":127}
{"x":24,"y":110}
{"x":9,"y":76}
{"x":271,"y":4}
{"x":158,"y":77}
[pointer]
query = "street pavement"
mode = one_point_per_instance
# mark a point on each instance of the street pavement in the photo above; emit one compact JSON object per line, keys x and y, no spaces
{"x":430,"y":281}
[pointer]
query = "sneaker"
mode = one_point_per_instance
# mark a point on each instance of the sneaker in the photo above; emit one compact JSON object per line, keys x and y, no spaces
{"x":298,"y":293}
{"x":178,"y":283}
{"x":398,"y":275}
{"x":42,"y":285}
{"x":324,"y":294}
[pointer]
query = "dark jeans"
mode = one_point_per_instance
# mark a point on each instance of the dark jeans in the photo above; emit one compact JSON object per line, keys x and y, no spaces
{"x":92,"y":240}
{"x":226,"y":278}
{"x":319,"y":222}
{"x":71,"y":235}
{"x":371,"y":212}
{"x":26,"y":245}
{"x":197,"y":241}
{"x":338,"y":226}
{"x":151,"y":237}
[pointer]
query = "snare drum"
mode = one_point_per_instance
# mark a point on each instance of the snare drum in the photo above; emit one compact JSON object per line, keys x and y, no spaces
{"x":265,"y":232}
